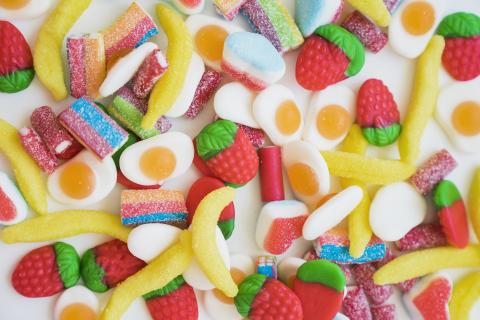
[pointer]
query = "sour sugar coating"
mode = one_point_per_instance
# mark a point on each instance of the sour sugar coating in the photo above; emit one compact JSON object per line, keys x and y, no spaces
{"x":437,"y":167}
{"x":45,"y":123}
{"x":424,"y":236}
{"x":13,"y":207}
{"x":152,"y":68}
{"x":271,"y":177}
{"x":373,"y":9}
{"x":355,"y":304}
{"x":363,"y":274}
{"x":404,"y":286}
{"x":271,"y":19}
{"x":383,"y":312}
{"x":267,"y":265}
{"x":86,"y":64}
{"x":38,"y":150}
{"x":208,"y":85}
{"x":149,"y":206}
{"x":228,"y":8}
{"x":256,"y":136}
{"x":93,"y":128}
{"x":371,"y":36}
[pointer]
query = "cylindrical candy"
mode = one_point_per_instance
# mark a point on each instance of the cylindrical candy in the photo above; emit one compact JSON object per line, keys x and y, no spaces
{"x":38,"y":150}
{"x":422,"y":237}
{"x":271,"y":178}
{"x":207,"y":86}
{"x":256,"y":136}
{"x":372,"y":37}
{"x":363,"y":274}
{"x":152,"y":68}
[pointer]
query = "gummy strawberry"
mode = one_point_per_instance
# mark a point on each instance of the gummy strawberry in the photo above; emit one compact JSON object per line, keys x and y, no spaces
{"x":47,"y":270}
{"x":105,"y":265}
{"x":227,"y":152}
{"x":16,"y":62}
{"x":175,"y":301}
{"x":260,"y":298}
{"x":330,"y":55}
{"x":377,"y":113}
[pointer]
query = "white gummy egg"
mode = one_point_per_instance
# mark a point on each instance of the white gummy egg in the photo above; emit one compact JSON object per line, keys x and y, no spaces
{"x":76,"y":303}
{"x":234,"y":102}
{"x":23,"y":9}
{"x":287,"y":269}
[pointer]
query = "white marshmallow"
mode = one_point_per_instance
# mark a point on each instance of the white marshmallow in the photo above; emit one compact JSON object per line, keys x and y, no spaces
{"x":234,"y":102}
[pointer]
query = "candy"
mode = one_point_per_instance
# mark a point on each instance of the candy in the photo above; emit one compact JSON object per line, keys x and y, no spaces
{"x":404,"y":286}
{"x":179,"y":54}
{"x":421,"y":237}
{"x":74,"y":301}
{"x":311,"y":14}
{"x":147,"y":206}
{"x":124,"y":181}
{"x":152,"y":68}
{"x":371,"y":36}
{"x":86,"y":64}
{"x":256,"y":136}
{"x":272,"y":20}
{"x":130,"y":31}
{"x":24,"y":9}
{"x":252,"y":60}
{"x":465,"y":294}
{"x":207,"y":86}
{"x":474,"y":203}
{"x":373,"y":9}
{"x":189,"y":6}
{"x":437,"y":167}
{"x":271,"y":177}
{"x":228,"y":8}
{"x":423,"y":100}
{"x":383,"y":312}
{"x":38,"y":150}
{"x":13,"y":208}
{"x":363,"y":274}
{"x":267,"y":266}
{"x":287,"y":269}
{"x":355,"y":304}
{"x":234,"y":102}
{"x":93,"y":128}
{"x":47,"y":56}
{"x":27,"y":173}
{"x":65,"y":224}
{"x":132,"y":139}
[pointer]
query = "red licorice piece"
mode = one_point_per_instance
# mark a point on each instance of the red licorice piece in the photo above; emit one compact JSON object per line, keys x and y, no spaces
{"x":152,"y":68}
{"x":363,"y":274}
{"x":271,"y":178}
{"x":355,"y":304}
{"x":372,"y":37}
{"x":422,"y":237}
{"x":256,"y":136}
{"x":207,"y":86}
{"x":38,"y":150}
{"x":383,"y":312}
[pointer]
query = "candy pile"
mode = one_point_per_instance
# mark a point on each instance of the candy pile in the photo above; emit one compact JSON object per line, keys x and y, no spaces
{"x":371,"y":238}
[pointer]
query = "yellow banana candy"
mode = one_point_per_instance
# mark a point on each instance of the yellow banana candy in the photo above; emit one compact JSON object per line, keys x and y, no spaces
{"x":466,"y":292}
{"x":474,"y":203}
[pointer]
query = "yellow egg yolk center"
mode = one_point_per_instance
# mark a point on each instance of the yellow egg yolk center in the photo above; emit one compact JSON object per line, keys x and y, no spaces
{"x":333,"y":121}
{"x":13,"y":4}
{"x":418,"y":18}
{"x":158,"y":163}
{"x":303,"y":179}
{"x":209,"y":41}
{"x":287,"y":117}
{"x":466,"y":118}
{"x":77,"y":180}
{"x":237,"y":276}
{"x":78,"y":311}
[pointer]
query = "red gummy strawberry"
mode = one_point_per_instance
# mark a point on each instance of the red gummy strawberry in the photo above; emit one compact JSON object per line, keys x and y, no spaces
{"x":105,"y":265}
{"x":175,"y":301}
{"x":16,"y":62}
{"x":47,"y":270}
{"x":461,"y":56}
{"x":262,"y":298}
{"x":329,"y":56}
{"x":377,"y":113}
{"x":227,"y":152}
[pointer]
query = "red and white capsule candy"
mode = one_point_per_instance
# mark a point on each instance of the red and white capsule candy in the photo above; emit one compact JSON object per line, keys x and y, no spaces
{"x":13,"y":207}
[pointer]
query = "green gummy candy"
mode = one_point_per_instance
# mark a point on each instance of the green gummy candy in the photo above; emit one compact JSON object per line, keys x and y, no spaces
{"x":68,"y":263}
{"x":247,"y":291}
{"x":323,"y":272}
{"x":92,"y":273}
{"x":215,"y":138}
{"x":169,"y":288}
{"x":445,"y":194}
{"x":381,"y":137}
{"x":459,"y":25}
{"x":16,"y":81}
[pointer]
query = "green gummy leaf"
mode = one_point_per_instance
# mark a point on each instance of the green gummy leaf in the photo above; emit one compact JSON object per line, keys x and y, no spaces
{"x":16,"y":81}
{"x":233,"y":185}
{"x":323,"y":272}
{"x":247,"y":291}
{"x":92,"y":273}
{"x":169,"y":288}
{"x":350,"y":45}
{"x":68,"y":263}
{"x":215,"y":138}
{"x":227,"y":227}
{"x":381,"y":137}
{"x":459,"y":25}
{"x":445,"y":194}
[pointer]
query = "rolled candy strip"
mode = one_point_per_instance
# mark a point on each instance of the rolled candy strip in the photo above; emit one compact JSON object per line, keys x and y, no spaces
{"x":45,"y":123}
{"x":271,"y":178}
{"x":424,"y":236}
{"x":355,"y":304}
{"x":152,"y":68}
{"x":208,"y":85}
{"x":363,"y":274}
{"x":86,"y":64}
{"x":256,"y":136}
{"x":267,"y":265}
{"x":228,"y":8}
{"x":369,"y":34}
{"x":38,"y":150}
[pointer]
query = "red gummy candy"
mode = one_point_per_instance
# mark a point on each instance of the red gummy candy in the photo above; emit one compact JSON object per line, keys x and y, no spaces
{"x":355,"y":304}
{"x":38,"y":150}
{"x":271,"y":177}
{"x":421,"y":237}
{"x":363,"y":274}
{"x":454,"y":224}
{"x":383,"y":312}
{"x":432,"y":302}
{"x":406,"y":285}
{"x":207,"y":86}
{"x":56,"y":137}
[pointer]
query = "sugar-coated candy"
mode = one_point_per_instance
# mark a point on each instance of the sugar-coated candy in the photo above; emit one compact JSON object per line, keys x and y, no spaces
{"x":38,"y":150}
{"x":256,"y":136}
{"x":355,"y":304}
{"x":424,"y":236}
{"x":147,"y":241}
{"x":188,"y":6}
{"x":371,"y":36}
{"x":71,"y":151}
{"x":464,"y":296}
{"x":229,"y":8}
{"x":363,"y":274}
{"x":376,"y":10}
{"x":93,"y":127}
{"x":267,"y":265}
{"x":152,"y":68}
{"x":404,"y":286}
{"x":474,"y":202}
{"x":287,"y":269}
{"x":311,"y":14}
{"x":383,"y":312}
{"x":271,"y":176}
{"x":13,"y":207}
{"x":206,"y":88}
{"x":392,"y":4}
{"x":233,"y":101}
{"x":433,"y":171}
{"x":271,"y":19}
{"x":132,"y":139}
{"x":86,"y":64}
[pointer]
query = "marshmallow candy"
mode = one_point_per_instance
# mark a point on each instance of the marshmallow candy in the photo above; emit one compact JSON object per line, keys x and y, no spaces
{"x":311,"y":14}
{"x":233,"y":101}
{"x":13,"y":207}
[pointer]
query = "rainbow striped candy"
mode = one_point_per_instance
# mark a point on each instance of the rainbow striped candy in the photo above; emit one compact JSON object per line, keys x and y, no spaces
{"x":267,"y":265}
{"x":228,"y":8}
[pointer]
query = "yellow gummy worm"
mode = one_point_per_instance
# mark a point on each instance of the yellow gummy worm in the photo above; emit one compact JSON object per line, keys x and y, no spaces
{"x":66,"y":224}
{"x":423,"y":100}
{"x":466,"y":292}
{"x":422,"y":262}
{"x":27,"y":173}
{"x":47,"y":56}
{"x":179,"y":54}
{"x":204,"y":245}
{"x":374,"y":9}
{"x":157,"y":274}
{"x":359,"y":231}
{"x":474,"y":203}
{"x":372,"y":170}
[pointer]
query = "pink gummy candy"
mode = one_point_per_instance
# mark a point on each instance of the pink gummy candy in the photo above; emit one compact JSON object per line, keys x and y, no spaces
{"x":38,"y":150}
{"x":421,"y":237}
{"x":355,"y":304}
{"x":207,"y":86}
{"x":372,"y":37}
{"x":383,"y":312}
{"x":152,"y":68}
{"x":406,"y":285}
{"x":433,"y":171}
{"x":432,"y":302}
{"x":256,"y":136}
{"x":363,"y":274}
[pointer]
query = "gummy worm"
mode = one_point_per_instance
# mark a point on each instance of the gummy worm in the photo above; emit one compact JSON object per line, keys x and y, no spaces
{"x":466,"y":292}
{"x":374,"y":9}
{"x":474,"y":203}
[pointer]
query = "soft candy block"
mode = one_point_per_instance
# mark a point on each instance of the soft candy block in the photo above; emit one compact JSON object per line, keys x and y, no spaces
{"x":152,"y":68}
{"x":86,"y":64}
{"x":147,"y":206}
{"x":383,"y":312}
{"x":334,"y":246}
{"x":271,"y":19}
{"x":370,"y":35}
{"x":13,"y":207}
{"x":421,"y":237}
{"x":279,"y":224}
{"x":363,"y":274}
{"x":311,"y":14}
{"x":38,"y":150}
{"x":267,"y":265}
{"x":355,"y":304}
{"x":228,"y":8}
{"x":206,"y":88}
{"x":271,"y":177}
{"x":93,"y":128}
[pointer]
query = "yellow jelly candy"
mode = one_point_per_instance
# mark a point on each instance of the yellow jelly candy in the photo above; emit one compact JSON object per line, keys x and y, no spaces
{"x":27,"y":173}
{"x":374,"y":9}
{"x":66,"y":224}
{"x":423,"y":100}
{"x":474,"y":203}
{"x":466,"y":292}
{"x":204,"y":245}
{"x":422,"y":262}
{"x":47,"y":56}
{"x":179,"y":54}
